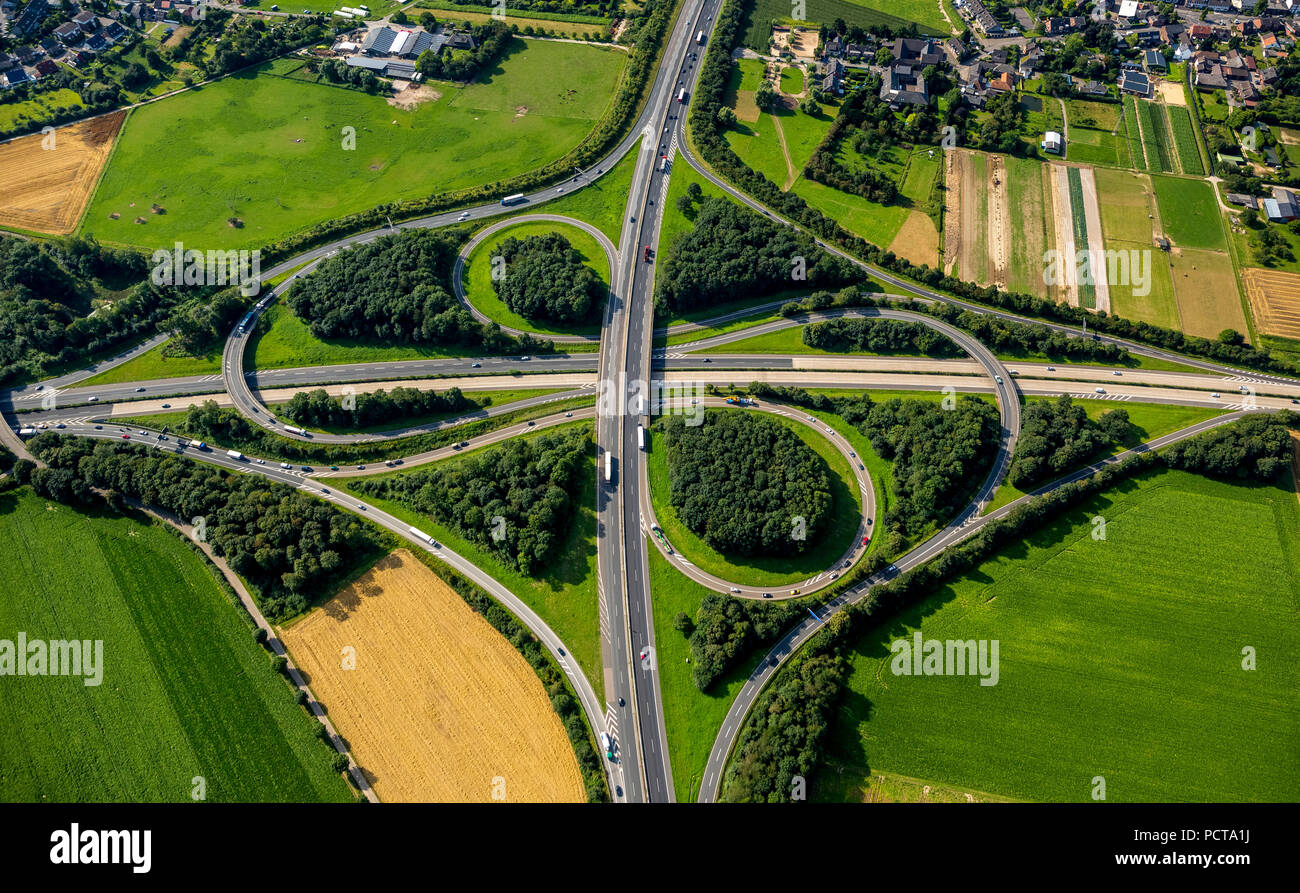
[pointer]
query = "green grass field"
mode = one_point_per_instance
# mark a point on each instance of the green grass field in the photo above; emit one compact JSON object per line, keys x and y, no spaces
{"x":153,"y":364}
{"x":1167,"y":713}
{"x":692,"y":718}
{"x":1189,"y":213}
{"x":186,"y":692}
{"x":1098,"y":134}
{"x":1150,"y":420}
{"x":1087,"y":291}
{"x":1126,"y":225}
{"x":846,"y":513}
{"x":478,"y":277}
{"x":896,"y":14}
{"x":565,"y":596}
{"x":259,"y":147}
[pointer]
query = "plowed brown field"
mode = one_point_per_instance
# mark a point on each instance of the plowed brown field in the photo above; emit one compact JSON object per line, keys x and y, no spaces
{"x":439,"y":707}
{"x":46,"y":189}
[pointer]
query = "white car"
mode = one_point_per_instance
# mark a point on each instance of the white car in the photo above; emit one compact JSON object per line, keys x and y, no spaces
{"x":1101,"y":390}
{"x":1117,"y":372}
{"x":1215,"y":395}
{"x":463,"y":216}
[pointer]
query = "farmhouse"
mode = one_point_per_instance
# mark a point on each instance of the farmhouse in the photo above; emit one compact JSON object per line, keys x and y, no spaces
{"x":904,"y":85}
{"x":1283,"y":207}
{"x":1135,"y":82}
{"x":1053,"y":142}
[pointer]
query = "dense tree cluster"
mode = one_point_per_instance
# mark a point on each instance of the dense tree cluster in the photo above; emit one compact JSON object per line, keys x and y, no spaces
{"x":785,"y":734}
{"x":317,"y":409}
{"x":289,"y":546}
{"x":48,"y":315}
{"x":939,"y":454}
{"x":517,"y":500}
{"x":7,"y":459}
{"x":734,"y":253}
{"x":1058,"y":436}
{"x":725,"y":630}
{"x":880,"y":336}
{"x":395,"y":290}
{"x":491,"y":39}
{"x":1257,"y":447}
{"x":545,"y":279}
{"x":747,"y":485}
{"x":1009,"y":336}
{"x":247,"y":40}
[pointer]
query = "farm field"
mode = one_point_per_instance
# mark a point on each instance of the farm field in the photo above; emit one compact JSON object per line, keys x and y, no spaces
{"x":564,"y":595}
{"x":574,"y":26}
{"x":256,"y":147}
{"x":1133,"y":128}
{"x":1189,"y":154}
{"x":185,"y":692}
{"x":1033,"y":230}
{"x":46,"y":190}
{"x":38,"y":107}
{"x":1160,"y":649}
{"x":1127,"y":202}
{"x":1155,"y":137}
{"x":1189,"y":213}
{"x":478,"y":277}
{"x":1208,"y":297}
{"x":438,"y":704}
{"x":777,"y":571}
{"x":1274,"y":301}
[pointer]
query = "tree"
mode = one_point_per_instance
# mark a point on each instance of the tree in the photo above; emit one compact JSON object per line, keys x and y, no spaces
{"x":726,"y":117}
{"x":1230,"y":336}
{"x":684,"y":204}
{"x":427,"y":21}
{"x":683,"y":623}
{"x":765,"y":97}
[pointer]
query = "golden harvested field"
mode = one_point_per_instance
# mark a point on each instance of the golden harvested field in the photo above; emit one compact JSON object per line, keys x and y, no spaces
{"x":45,"y":190}
{"x":917,"y":239}
{"x":1274,"y":300}
{"x":439,"y":707}
{"x":1206,"y":288}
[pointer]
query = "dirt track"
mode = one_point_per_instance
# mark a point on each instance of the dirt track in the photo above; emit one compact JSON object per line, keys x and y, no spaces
{"x":45,"y":186}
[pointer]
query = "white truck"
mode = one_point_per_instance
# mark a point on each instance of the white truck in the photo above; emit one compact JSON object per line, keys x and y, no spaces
{"x":292,"y":430}
{"x":699,"y":38}
{"x":236,"y":455}
{"x":640,"y":437}
{"x":421,"y":535}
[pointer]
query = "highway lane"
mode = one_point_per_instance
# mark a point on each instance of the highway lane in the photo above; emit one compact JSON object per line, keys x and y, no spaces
{"x":458,"y":272}
{"x":959,"y":529}
{"x":827,"y":577}
{"x":296,"y":479}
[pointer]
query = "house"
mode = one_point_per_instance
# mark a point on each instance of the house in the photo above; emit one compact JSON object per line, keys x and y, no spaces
{"x":1128,"y":9}
{"x":833,"y":76}
{"x":1246,"y":201}
{"x":1004,"y":82}
{"x":904,"y":85}
{"x":115,"y":31}
{"x":983,"y":19}
{"x":13,"y":77}
{"x":1053,"y":142}
{"x":88,"y":22}
{"x":68,"y":34}
{"x":1057,"y":25}
{"x":917,"y":52}
{"x":834,"y":47}
{"x":30,"y":18}
{"x":96,"y":43}
{"x":1134,"y":82}
{"x":46,"y":67}
{"x":1154,"y":60}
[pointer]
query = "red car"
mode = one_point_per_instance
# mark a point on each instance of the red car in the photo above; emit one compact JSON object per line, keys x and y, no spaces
{"x":866,"y":539}
{"x":126,"y":436}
